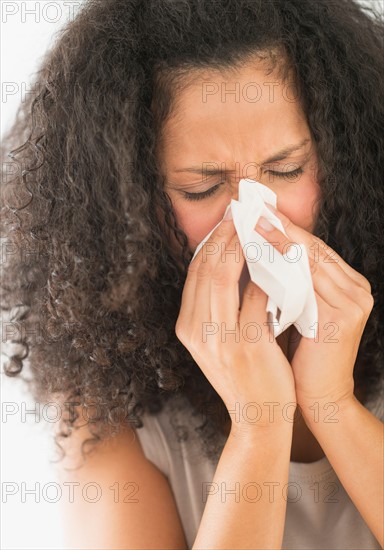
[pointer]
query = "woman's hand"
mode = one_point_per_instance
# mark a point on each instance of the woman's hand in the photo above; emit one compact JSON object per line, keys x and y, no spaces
{"x":323,"y":367}
{"x":233,"y":347}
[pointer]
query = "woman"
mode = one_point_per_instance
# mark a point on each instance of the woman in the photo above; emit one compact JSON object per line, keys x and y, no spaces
{"x":148,"y":115}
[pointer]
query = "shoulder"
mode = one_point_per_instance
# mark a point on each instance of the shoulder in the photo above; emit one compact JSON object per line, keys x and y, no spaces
{"x":121,"y":489}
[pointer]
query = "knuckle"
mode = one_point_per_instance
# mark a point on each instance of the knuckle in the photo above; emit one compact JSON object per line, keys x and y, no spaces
{"x":313,"y":265}
{"x":252,"y":291}
{"x":220,"y":280}
{"x":221,"y":277}
{"x":323,"y":246}
{"x":180,"y":330}
{"x":364,"y":301}
{"x":190,"y":338}
{"x":366,"y":284}
{"x":204,"y":272}
{"x":370,"y":302}
{"x":367,"y":300}
{"x":209,"y":248}
{"x":324,"y":251}
{"x":222,"y":230}
{"x":193,"y":267}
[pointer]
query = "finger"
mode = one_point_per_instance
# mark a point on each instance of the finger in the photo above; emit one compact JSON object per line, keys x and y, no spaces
{"x":359,"y":303}
{"x":253,"y":314}
{"x":344,"y":285}
{"x":316,"y":248}
{"x":205,"y":268}
{"x":330,"y":292}
{"x":225,"y":285}
{"x":324,"y":281}
{"x":207,"y":255}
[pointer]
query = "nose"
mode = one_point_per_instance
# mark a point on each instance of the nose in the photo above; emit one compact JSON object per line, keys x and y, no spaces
{"x":234,"y":185}
{"x":235,"y":189}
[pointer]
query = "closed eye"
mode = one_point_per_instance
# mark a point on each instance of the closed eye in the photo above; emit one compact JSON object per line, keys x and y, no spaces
{"x":288,"y":175}
{"x":203,"y":194}
{"x":212,"y":190}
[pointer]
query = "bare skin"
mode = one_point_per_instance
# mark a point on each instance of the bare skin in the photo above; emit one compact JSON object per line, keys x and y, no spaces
{"x":241,"y":135}
{"x":305,"y":447}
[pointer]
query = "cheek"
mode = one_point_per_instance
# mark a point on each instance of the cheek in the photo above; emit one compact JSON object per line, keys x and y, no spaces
{"x":300,"y":204}
{"x":198,"y":218}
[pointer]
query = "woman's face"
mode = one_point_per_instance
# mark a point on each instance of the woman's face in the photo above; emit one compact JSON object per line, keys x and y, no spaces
{"x":236,"y":123}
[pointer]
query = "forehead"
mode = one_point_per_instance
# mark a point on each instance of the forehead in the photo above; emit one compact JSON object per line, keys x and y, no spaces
{"x":239,"y":112}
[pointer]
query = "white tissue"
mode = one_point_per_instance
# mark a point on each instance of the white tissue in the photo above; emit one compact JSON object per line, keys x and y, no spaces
{"x":285,"y":278}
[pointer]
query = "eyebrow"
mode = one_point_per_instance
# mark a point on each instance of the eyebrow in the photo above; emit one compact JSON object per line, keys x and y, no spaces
{"x":280,"y":155}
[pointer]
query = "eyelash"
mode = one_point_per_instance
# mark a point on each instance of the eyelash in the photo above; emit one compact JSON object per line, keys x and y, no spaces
{"x":212,"y":190}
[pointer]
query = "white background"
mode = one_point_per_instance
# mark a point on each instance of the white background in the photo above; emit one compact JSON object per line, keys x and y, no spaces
{"x":28,"y":29}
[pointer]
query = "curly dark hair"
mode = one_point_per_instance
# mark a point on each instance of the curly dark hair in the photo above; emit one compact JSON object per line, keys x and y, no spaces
{"x":91,"y":283}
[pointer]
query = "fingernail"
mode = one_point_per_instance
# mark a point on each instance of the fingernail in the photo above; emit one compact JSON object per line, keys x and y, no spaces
{"x":265,"y":224}
{"x":228,"y":215}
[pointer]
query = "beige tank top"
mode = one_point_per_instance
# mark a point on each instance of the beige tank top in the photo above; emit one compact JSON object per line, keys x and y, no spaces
{"x":319,"y":514}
